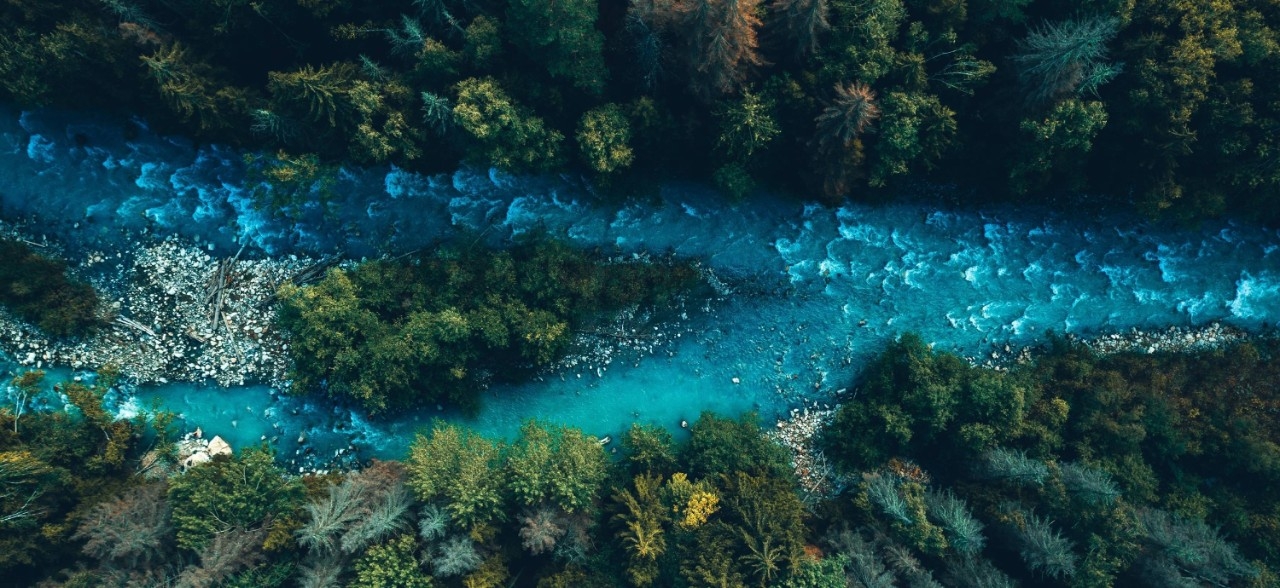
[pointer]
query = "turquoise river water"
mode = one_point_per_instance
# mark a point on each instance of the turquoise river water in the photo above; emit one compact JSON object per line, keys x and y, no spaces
{"x":810,"y":292}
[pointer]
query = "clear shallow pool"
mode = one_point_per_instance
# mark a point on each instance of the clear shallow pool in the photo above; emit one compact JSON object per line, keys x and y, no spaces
{"x":814,"y":290}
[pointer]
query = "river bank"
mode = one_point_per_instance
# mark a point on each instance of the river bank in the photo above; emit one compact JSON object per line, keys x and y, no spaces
{"x":162,"y":286}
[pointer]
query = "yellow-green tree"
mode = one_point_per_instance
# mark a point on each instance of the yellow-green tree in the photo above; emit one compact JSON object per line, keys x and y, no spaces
{"x":604,"y":139}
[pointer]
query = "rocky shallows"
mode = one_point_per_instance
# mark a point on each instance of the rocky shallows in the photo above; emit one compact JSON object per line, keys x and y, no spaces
{"x":172,"y":312}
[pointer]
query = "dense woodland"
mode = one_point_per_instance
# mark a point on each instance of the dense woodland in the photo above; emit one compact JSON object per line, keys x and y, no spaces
{"x":1169,"y":107}
{"x":1071,"y":470}
{"x":37,"y":288}
{"x":437,"y":328}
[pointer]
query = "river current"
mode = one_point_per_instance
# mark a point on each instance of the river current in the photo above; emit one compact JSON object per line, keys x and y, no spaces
{"x":810,"y":291}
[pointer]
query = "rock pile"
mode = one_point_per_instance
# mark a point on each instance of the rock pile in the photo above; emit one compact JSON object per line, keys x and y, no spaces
{"x":1173,"y":339}
{"x":163,"y":326}
{"x":818,"y":480}
{"x":193,"y":450}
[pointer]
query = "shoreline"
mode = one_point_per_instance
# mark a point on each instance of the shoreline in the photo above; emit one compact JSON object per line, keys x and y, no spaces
{"x":162,"y":286}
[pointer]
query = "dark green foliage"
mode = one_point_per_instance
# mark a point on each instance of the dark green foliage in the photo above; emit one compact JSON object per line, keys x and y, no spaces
{"x":909,"y":396}
{"x":969,"y":91}
{"x":555,"y":465}
{"x":392,"y":564}
{"x":38,"y":290}
{"x":389,"y":334}
{"x":1064,"y":58}
{"x":1114,"y":470}
{"x":561,"y":35}
{"x":1187,"y":551}
{"x":828,"y":572}
{"x":734,"y":180}
{"x":1113,"y":445}
{"x":648,"y":449}
{"x":720,"y":445}
{"x":55,"y":469}
{"x":1044,"y":549}
{"x":243,"y":492}
{"x":1060,"y":141}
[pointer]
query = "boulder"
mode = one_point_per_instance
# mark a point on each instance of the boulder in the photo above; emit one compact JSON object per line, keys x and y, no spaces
{"x":194,"y":460}
{"x":218,"y":447}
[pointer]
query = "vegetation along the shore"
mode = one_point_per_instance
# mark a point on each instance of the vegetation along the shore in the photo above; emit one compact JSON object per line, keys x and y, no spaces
{"x":435,"y":328}
{"x":1075,"y":469}
{"x":36,"y":287}
{"x":1165,"y":106}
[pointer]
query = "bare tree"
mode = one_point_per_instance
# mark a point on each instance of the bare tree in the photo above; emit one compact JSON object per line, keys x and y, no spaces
{"x":131,"y":529}
{"x":229,"y":552}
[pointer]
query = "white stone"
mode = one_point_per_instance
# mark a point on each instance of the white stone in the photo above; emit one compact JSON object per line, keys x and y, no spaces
{"x":218,"y":447}
{"x":195,"y":460}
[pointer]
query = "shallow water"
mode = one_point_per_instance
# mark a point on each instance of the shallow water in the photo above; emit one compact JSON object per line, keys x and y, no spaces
{"x":814,"y":290}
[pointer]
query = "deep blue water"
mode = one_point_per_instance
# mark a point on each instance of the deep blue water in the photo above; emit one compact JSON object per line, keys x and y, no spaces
{"x":815,"y":290}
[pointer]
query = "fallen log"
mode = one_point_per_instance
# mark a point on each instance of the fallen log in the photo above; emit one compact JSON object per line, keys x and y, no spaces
{"x":135,"y":325}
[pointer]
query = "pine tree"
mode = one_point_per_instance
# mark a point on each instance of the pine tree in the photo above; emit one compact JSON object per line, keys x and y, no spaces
{"x":747,"y":126}
{"x":1013,"y":466}
{"x":540,"y":528}
{"x":132,"y":529}
{"x":327,"y":518}
{"x":1044,"y":549}
{"x":381,"y":520}
{"x":1189,"y":549}
{"x":228,"y":552}
{"x":724,"y":45}
{"x":433,"y":523}
{"x":437,"y":112}
{"x":964,"y":533}
{"x":850,"y":114}
{"x":1066,"y":57}
{"x":1093,"y":485}
{"x":802,"y":22}
{"x":456,"y":556}
{"x":321,"y":92}
{"x":320,"y":573}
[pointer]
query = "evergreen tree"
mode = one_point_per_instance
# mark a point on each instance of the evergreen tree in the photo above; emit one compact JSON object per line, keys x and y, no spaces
{"x":563,"y":37}
{"x":1067,"y":57}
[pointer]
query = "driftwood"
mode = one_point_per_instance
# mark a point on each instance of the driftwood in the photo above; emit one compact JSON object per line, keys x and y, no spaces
{"x":135,"y":325}
{"x":313,"y":272}
{"x":216,"y":293}
{"x":310,"y":274}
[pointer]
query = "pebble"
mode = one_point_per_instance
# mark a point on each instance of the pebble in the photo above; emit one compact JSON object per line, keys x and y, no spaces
{"x":189,"y":347}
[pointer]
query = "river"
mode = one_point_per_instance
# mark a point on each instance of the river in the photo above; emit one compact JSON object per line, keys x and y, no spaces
{"x":811,"y":291}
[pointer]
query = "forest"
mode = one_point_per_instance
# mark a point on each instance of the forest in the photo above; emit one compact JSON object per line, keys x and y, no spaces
{"x":37,"y":288}
{"x":1073,"y":469}
{"x":415,"y":331}
{"x":1169,"y":108}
